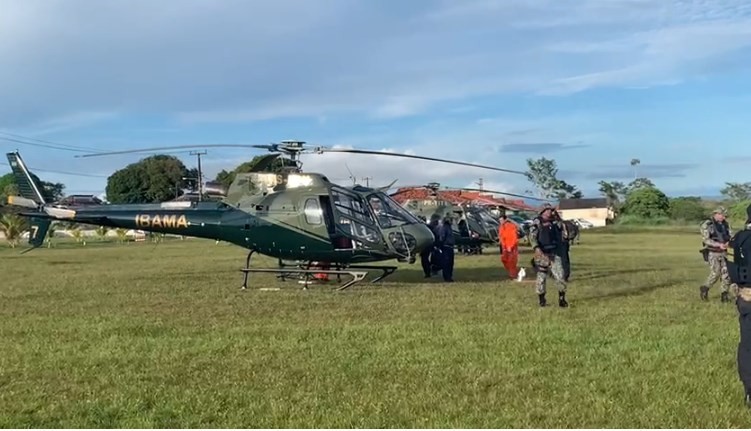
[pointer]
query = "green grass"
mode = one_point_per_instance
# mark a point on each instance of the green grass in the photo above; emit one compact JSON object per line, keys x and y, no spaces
{"x":140,"y":335}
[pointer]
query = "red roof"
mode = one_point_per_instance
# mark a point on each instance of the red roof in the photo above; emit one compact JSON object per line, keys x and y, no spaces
{"x":459,"y":197}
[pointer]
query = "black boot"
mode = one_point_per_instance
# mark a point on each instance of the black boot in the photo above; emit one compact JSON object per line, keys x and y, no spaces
{"x":704,"y":292}
{"x":562,"y":299}
{"x":725,"y":297}
{"x":542,"y":299}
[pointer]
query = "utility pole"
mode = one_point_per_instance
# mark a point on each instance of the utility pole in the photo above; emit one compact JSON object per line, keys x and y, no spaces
{"x":367,"y":181}
{"x":200,"y":174}
{"x":479,"y":183}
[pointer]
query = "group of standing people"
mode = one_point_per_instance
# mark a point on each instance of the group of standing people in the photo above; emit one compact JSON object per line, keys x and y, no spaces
{"x":550,"y":237}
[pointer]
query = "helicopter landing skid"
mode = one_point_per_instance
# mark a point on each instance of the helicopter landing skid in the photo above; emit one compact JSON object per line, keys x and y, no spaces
{"x":357,"y":276}
{"x":358,"y":272}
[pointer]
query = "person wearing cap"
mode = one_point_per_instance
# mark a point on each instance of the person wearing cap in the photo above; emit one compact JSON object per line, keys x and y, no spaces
{"x":716,"y":235}
{"x":546,"y":238}
{"x":740,"y":271}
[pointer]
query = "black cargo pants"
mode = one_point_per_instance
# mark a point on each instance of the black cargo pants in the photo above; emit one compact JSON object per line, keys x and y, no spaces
{"x":744,"y":346}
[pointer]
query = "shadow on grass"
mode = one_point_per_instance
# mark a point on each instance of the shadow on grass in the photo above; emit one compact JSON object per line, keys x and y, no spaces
{"x":626,"y":293}
{"x":612,"y":273}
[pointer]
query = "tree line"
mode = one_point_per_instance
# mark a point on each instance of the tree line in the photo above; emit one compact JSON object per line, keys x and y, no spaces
{"x":640,"y":201}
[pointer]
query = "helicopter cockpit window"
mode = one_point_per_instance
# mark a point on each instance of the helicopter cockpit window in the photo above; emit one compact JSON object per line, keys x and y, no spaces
{"x":313,"y":213}
{"x":388,"y":212}
{"x":352,"y":217}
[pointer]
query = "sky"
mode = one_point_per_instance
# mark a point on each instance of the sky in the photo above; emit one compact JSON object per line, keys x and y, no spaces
{"x":591,"y":84}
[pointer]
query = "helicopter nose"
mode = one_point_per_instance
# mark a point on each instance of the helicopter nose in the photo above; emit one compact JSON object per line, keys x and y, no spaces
{"x":423,"y":237}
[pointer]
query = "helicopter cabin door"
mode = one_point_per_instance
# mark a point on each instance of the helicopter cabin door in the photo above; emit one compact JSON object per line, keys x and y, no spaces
{"x":351,"y":224}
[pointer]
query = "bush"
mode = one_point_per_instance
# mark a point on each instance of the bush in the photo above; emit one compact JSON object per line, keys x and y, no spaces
{"x":647,"y":203}
{"x":737,"y":213}
{"x":688,"y":209}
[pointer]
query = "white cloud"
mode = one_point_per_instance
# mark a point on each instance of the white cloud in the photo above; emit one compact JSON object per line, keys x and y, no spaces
{"x":239,"y":61}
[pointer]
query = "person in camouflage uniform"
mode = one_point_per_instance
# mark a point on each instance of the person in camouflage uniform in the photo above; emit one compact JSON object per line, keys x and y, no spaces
{"x":546,"y":239}
{"x":716,"y":234}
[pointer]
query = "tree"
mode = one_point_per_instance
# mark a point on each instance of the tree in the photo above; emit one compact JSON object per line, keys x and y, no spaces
{"x":121,"y":235}
{"x":153,"y":179}
{"x":50,"y":191}
{"x":12,"y":226}
{"x":614,"y":191}
{"x":687,"y":208}
{"x":737,"y":212}
{"x":737,"y":192}
{"x":7,"y":187}
{"x":257,"y":164}
{"x":191,"y":180}
{"x":101,"y":232}
{"x":647,"y":202}
{"x":634,"y":164}
{"x":543,"y":173}
{"x":640,"y":183}
{"x":225,"y":178}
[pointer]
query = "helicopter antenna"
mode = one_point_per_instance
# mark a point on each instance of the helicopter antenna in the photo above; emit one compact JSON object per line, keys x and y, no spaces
{"x":367,"y":181}
{"x":479,"y":183}
{"x":351,"y":175}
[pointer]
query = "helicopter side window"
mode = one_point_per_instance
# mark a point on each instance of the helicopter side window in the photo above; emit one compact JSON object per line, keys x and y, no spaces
{"x":313,"y":214}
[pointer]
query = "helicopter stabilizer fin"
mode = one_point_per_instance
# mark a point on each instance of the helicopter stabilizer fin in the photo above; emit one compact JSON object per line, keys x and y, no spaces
{"x":27,"y":186}
{"x":39,"y":226}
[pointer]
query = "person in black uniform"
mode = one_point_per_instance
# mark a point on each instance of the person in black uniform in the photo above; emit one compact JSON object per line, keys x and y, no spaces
{"x":739,"y":271}
{"x":446,"y":238}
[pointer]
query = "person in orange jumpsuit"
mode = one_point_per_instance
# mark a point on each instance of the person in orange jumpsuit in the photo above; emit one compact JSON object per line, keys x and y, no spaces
{"x":509,"y":238}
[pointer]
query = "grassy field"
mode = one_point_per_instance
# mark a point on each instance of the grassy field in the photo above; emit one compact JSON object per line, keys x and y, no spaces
{"x":160,"y":336}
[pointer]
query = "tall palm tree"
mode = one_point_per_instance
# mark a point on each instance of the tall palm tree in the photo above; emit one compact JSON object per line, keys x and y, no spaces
{"x":634,"y":163}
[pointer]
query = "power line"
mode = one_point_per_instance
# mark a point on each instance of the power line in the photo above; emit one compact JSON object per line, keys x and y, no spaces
{"x":49,"y":171}
{"x":25,"y":140}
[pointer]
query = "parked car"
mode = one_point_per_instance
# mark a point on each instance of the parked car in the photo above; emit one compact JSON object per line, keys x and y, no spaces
{"x":583,"y":224}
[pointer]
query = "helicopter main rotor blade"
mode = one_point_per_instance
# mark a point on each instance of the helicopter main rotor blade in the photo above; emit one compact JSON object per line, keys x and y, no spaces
{"x":177,"y":147}
{"x":409,"y":156}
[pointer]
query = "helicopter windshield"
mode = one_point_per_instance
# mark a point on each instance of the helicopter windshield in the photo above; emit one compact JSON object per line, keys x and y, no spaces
{"x":487,"y":217}
{"x":388,"y":212}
